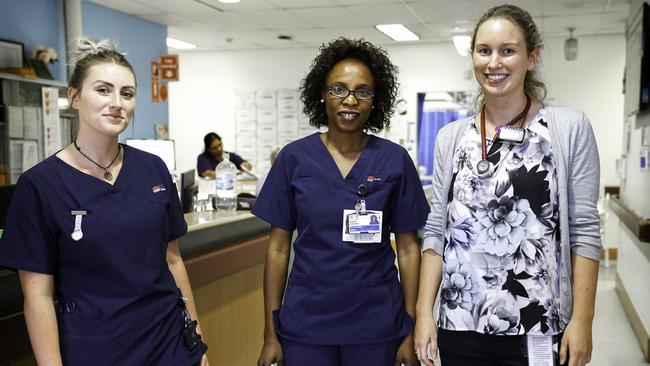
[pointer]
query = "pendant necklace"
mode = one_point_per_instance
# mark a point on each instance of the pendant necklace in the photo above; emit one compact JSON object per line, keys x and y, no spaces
{"x":484,"y":166}
{"x":107,"y":174}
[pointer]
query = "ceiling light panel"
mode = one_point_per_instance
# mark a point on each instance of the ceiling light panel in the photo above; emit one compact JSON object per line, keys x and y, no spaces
{"x":398,"y":32}
{"x":179,"y":44}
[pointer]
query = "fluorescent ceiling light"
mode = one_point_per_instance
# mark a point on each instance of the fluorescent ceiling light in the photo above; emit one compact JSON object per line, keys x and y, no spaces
{"x":229,"y":1}
{"x":463,"y":44}
{"x":397,"y":32}
{"x":180,"y":45}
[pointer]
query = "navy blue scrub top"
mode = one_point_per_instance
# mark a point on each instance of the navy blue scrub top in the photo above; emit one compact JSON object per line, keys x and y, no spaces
{"x":205,"y":161}
{"x":341,"y":292}
{"x":118,"y":303}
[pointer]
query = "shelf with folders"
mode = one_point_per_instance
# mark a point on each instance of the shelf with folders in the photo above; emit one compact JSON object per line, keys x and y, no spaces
{"x":35,"y":122}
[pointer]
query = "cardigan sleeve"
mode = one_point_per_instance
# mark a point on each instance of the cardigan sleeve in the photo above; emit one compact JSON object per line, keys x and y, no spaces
{"x":583,"y":184}
{"x":434,"y":227}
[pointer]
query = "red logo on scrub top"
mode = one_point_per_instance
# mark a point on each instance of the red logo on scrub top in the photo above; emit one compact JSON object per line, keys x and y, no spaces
{"x":372,"y":178}
{"x":158,"y":188}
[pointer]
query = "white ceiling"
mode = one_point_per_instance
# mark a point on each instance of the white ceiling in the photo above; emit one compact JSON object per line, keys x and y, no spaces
{"x":256,"y":24}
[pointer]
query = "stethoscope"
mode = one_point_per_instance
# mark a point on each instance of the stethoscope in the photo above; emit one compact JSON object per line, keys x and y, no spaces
{"x":485,"y":168}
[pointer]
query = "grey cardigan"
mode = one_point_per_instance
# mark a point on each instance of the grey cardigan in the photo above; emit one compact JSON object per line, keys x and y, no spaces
{"x":578,"y":175}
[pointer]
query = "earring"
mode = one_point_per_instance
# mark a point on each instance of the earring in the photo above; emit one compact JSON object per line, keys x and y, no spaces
{"x":322,"y":100}
{"x":373,"y":107}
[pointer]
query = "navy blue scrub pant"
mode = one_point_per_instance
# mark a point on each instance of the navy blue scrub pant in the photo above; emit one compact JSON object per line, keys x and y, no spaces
{"x":300,"y":354}
{"x":465,"y":348}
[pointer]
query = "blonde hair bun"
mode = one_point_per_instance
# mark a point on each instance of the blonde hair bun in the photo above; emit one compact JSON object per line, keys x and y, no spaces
{"x":88,"y":47}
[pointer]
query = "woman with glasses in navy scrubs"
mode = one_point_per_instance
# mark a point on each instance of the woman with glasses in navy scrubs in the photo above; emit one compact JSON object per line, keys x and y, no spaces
{"x":94,"y":226}
{"x":343,"y":303}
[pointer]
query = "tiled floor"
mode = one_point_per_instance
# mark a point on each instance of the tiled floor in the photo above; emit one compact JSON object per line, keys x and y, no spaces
{"x":614,"y":341}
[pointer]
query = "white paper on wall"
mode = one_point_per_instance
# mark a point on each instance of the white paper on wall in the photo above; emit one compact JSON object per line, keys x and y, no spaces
{"x":29,"y":155}
{"x":245,"y":113}
{"x":15,"y":120}
{"x":243,"y":99}
{"x":265,"y":98}
{"x":286,"y":116}
{"x":245,"y":144}
{"x":266,"y":115}
{"x":16,"y":162}
{"x":287,"y":124}
{"x":246,"y":128}
{"x":31,"y":122}
{"x":287,"y":100}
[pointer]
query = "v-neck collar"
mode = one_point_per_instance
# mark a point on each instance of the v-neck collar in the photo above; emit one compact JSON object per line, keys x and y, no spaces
{"x":356,"y":167}
{"x":118,"y":179}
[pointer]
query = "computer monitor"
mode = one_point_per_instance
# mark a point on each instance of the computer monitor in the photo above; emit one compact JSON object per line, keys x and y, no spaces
{"x":189,"y":189}
{"x":165,"y":149}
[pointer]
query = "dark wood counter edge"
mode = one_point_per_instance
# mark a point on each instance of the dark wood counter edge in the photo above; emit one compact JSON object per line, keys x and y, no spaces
{"x":229,"y":259}
{"x":637,"y":225}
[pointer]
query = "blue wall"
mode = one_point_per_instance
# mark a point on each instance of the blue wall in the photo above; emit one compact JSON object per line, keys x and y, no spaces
{"x":143,"y":42}
{"x":33,"y":23}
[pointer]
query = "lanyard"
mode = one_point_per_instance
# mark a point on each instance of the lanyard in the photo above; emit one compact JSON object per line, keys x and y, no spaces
{"x":483,"y":166}
{"x":360,"y":207}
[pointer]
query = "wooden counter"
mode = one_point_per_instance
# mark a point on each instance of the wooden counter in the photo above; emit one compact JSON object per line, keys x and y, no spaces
{"x":227,"y":282}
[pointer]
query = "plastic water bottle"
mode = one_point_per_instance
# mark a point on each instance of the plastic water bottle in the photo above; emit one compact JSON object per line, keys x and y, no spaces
{"x":226,"y":173}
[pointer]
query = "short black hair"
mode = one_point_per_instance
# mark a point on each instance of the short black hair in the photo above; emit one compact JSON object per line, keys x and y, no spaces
{"x":376,"y":59}
{"x":207,"y":140}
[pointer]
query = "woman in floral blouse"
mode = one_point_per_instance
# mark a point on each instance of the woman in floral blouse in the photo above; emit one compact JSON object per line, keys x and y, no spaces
{"x":513,"y":232}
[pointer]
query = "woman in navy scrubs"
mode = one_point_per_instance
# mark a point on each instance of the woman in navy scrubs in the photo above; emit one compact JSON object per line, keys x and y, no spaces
{"x":513,"y":234}
{"x":95,"y":227}
{"x":343,"y":303}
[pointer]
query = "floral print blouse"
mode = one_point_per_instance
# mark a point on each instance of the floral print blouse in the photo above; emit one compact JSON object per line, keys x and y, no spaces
{"x":501,"y":249}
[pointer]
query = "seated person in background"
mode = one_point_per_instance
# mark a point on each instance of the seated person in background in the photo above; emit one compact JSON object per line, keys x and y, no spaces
{"x":208,"y":160}
{"x":262,"y":177}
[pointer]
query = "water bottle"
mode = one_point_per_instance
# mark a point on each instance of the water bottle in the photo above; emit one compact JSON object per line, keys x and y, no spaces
{"x":226,"y":173}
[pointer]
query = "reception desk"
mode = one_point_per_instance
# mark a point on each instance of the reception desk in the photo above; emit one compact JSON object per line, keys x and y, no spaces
{"x":224,"y":257}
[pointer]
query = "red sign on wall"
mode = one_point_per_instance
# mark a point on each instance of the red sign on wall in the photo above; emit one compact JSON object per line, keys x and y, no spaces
{"x":169,"y":67}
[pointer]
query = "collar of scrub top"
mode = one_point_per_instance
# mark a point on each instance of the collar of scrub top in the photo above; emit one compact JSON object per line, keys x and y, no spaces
{"x":484,"y":165}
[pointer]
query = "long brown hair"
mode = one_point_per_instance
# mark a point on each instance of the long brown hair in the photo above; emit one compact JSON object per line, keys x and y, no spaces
{"x":533,"y":86}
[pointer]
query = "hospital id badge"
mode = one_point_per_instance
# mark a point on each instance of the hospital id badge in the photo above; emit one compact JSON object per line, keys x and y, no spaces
{"x":362,"y":227}
{"x":540,"y":350}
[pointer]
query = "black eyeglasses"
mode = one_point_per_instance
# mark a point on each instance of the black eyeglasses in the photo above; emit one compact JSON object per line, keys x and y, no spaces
{"x":342,"y":92}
